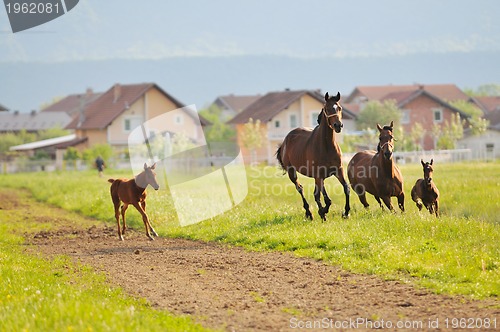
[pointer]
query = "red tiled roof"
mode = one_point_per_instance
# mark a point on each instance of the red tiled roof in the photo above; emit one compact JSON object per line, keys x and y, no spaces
{"x":268,"y":106}
{"x":488,"y":103}
{"x":447,"y":92}
{"x":238,"y":103}
{"x":404,"y":97}
{"x":72,"y":103}
{"x":399,"y":96}
{"x":353,"y":108}
{"x":101,"y":112}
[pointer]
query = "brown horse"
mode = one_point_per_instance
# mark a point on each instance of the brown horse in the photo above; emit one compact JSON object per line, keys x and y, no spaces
{"x":425,"y":192}
{"x":377,"y":173}
{"x":316,"y":154}
{"x":133,"y":192}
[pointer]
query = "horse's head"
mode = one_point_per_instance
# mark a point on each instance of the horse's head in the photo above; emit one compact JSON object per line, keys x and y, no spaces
{"x":150,"y":176}
{"x":428,"y":170}
{"x":386,"y":140}
{"x":332,"y":112}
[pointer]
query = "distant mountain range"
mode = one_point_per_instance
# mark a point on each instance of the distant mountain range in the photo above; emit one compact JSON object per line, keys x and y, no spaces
{"x":199,"y":80}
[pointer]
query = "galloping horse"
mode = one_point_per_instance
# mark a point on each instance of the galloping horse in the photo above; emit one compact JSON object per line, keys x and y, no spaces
{"x":425,"y":192}
{"x":377,"y":173}
{"x":316,"y":154}
{"x":133,"y":192}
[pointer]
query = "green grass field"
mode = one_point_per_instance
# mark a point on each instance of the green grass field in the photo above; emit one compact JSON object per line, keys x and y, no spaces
{"x":458,"y":253}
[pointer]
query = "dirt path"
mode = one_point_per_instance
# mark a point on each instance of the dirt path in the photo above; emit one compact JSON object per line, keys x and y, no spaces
{"x":233,"y":289}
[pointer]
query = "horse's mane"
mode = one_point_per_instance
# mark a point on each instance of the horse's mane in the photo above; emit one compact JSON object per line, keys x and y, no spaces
{"x":387,"y":128}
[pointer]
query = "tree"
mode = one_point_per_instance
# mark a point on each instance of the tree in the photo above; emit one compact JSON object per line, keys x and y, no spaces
{"x":72,"y":154}
{"x":417,"y":135}
{"x":478,"y":125}
{"x":252,"y":137}
{"x":218,"y":131}
{"x":484,"y":90}
{"x":103,"y":150}
{"x":376,"y":112}
{"x":52,"y":133}
{"x":450,"y":133}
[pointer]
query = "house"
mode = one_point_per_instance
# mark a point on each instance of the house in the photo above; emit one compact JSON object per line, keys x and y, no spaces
{"x":446,"y":92}
{"x":488,"y":104}
{"x":72,"y":104}
{"x":32,"y":122}
{"x":486,"y":145}
{"x":114,"y":114}
{"x":233,"y":104}
{"x":279,"y":113}
{"x":425,"y":104}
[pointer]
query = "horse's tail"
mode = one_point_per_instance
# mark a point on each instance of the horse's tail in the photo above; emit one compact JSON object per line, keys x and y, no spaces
{"x":278,"y":156}
{"x":111,"y":180}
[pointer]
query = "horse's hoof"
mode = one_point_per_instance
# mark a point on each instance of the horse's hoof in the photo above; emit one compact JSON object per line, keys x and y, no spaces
{"x":345,"y":215}
{"x":309,"y":216}
{"x":121,"y":238}
{"x":151,"y":238}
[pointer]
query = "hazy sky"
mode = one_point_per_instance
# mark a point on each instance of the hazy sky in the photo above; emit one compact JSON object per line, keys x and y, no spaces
{"x":153,"y":29}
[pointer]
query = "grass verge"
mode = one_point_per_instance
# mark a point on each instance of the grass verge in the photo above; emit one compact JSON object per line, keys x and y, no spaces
{"x":37,"y":294}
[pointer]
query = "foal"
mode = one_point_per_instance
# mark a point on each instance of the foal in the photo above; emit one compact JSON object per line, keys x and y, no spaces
{"x":133,"y":192}
{"x":424,"y":192}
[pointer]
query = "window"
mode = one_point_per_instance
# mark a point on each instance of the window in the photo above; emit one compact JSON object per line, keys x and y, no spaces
{"x":126,"y":125}
{"x":179,"y":119}
{"x":438,"y":115}
{"x":293,"y":121}
{"x":405,"y":117}
{"x":314,"y":119}
{"x":490,"y":147}
{"x":131,"y":122}
{"x":277,"y":124}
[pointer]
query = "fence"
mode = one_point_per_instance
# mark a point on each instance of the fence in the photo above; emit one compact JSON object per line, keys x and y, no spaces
{"x":20,"y":166}
{"x":440,"y":156}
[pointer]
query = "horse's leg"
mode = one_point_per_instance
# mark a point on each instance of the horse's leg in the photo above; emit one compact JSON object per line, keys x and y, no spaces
{"x":436,"y":205}
{"x":319,"y":187}
{"x":401,"y":201}
{"x":359,"y":189}
{"x":388,"y":203}
{"x":124,"y":209}
{"x":328,"y":201}
{"x":292,"y":174}
{"x":379,"y":202}
{"x":116,"y":203}
{"x":144,"y":219}
{"x":143,"y":205}
{"x":347,"y":191}
{"x":418,"y":201}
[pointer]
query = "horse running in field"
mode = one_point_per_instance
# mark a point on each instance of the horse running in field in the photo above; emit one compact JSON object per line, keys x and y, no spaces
{"x":133,"y":192}
{"x":376,"y":172}
{"x":316,"y":154}
{"x":424,"y":192}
